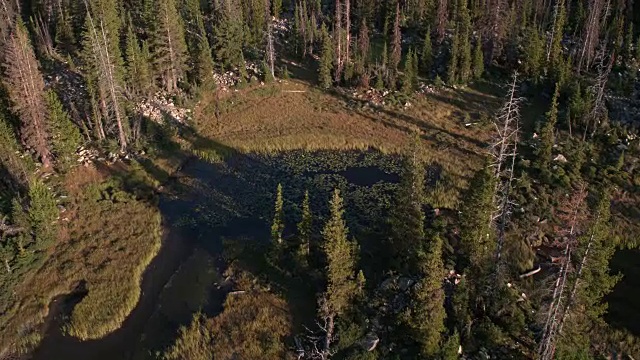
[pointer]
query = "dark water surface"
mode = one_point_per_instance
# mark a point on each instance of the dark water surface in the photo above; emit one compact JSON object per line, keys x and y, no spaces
{"x":202,"y":205}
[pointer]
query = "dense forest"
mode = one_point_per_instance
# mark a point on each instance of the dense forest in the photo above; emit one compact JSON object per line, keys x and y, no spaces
{"x":492,"y":236}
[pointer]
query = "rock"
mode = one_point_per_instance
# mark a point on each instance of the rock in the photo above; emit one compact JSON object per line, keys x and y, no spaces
{"x":370,"y":342}
{"x":560,"y":158}
{"x":404,"y":283}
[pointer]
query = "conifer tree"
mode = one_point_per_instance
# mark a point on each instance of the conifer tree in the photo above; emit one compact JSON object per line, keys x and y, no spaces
{"x":229,"y":35}
{"x":25,"y":86}
{"x":454,"y":56}
{"x":464,"y":70}
{"x":65,"y":38}
{"x":276,"y":6}
{"x":427,"y":53}
{"x":305,"y":227}
{"x":139,"y":81}
{"x":396,"y":49}
{"x":200,"y":58}
{"x":534,"y":48}
{"x":66,"y":137}
{"x":409,"y":78}
{"x":104,"y":69}
{"x":476,"y":234}
{"x":478,"y":59}
{"x":343,"y":281}
{"x":544,"y":152}
{"x":10,"y":157}
{"x":43,"y":213}
{"x":407,"y":216}
{"x":554,"y":52}
{"x":169,"y":47}
{"x":326,"y":60}
{"x":277,"y":226}
{"x":426,"y":312}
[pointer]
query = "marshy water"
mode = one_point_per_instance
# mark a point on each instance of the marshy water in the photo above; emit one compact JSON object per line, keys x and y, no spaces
{"x":202,"y":205}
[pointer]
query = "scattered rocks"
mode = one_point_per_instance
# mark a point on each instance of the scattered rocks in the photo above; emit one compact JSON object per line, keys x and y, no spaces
{"x":161,"y":106}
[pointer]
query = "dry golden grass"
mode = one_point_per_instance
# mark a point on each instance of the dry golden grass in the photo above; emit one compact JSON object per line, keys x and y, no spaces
{"x":293,"y":115}
{"x":110,"y":238}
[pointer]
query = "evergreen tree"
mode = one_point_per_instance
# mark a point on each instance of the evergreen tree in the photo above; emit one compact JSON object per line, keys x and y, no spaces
{"x":476,"y":235}
{"x":544,"y":152}
{"x":454,"y":56}
{"x":139,"y":79}
{"x":169,"y":47}
{"x":409,"y":78}
{"x":533,"y":55}
{"x":277,"y":226}
{"x":104,"y":69}
{"x":464,"y":69}
{"x":64,"y":35}
{"x":326,"y":60}
{"x":554,"y":56}
{"x":200,"y":59}
{"x":407,"y":216}
{"x":342,"y":257}
{"x":25,"y":86}
{"x":66,"y":137}
{"x":229,"y":35}
{"x":10,"y":158}
{"x":426,"y":313}
{"x":268,"y":77}
{"x":450,"y":348}
{"x":396,"y":49}
{"x":43,"y":213}
{"x":427,"y":53}
{"x":478,"y":60}
{"x":276,"y":6}
{"x":305,"y":227}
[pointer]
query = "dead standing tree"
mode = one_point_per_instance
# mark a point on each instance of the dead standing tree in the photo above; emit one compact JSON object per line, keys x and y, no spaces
{"x":109,"y":90}
{"x":595,"y":22}
{"x":25,"y":86}
{"x":504,"y":152}
{"x":573,"y":215}
{"x":270,"y":51}
{"x":598,"y":110}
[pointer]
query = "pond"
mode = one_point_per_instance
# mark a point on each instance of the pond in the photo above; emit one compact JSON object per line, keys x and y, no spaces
{"x":205,"y":203}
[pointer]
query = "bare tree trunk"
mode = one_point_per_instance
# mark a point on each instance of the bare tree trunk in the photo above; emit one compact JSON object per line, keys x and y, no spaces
{"x":598,"y":110}
{"x":337,"y":33}
{"x":270,"y":49}
{"x":441,"y":20}
{"x":347,"y":19}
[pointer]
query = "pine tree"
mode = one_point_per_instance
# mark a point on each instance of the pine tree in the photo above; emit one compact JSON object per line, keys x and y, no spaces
{"x":25,"y":86}
{"x":407,"y":216}
{"x":533,"y":56}
{"x":344,"y":284}
{"x":326,"y":60}
{"x":426,"y":313}
{"x":544,"y":152}
{"x":200,"y":58}
{"x":66,"y":137}
{"x":104,"y":69}
{"x":10,"y":158}
{"x":450,"y":348}
{"x":305,"y":227}
{"x":229,"y":35}
{"x":454,"y":56}
{"x":478,"y":60}
{"x":139,"y":79}
{"x":64,"y":36}
{"x":277,"y":226}
{"x":476,"y":235}
{"x":276,"y":6}
{"x":408,"y":81}
{"x":341,"y":253}
{"x":169,"y":47}
{"x":554,"y":53}
{"x":464,"y":70}
{"x":43,"y":213}
{"x":396,"y":48}
{"x":427,"y":53}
